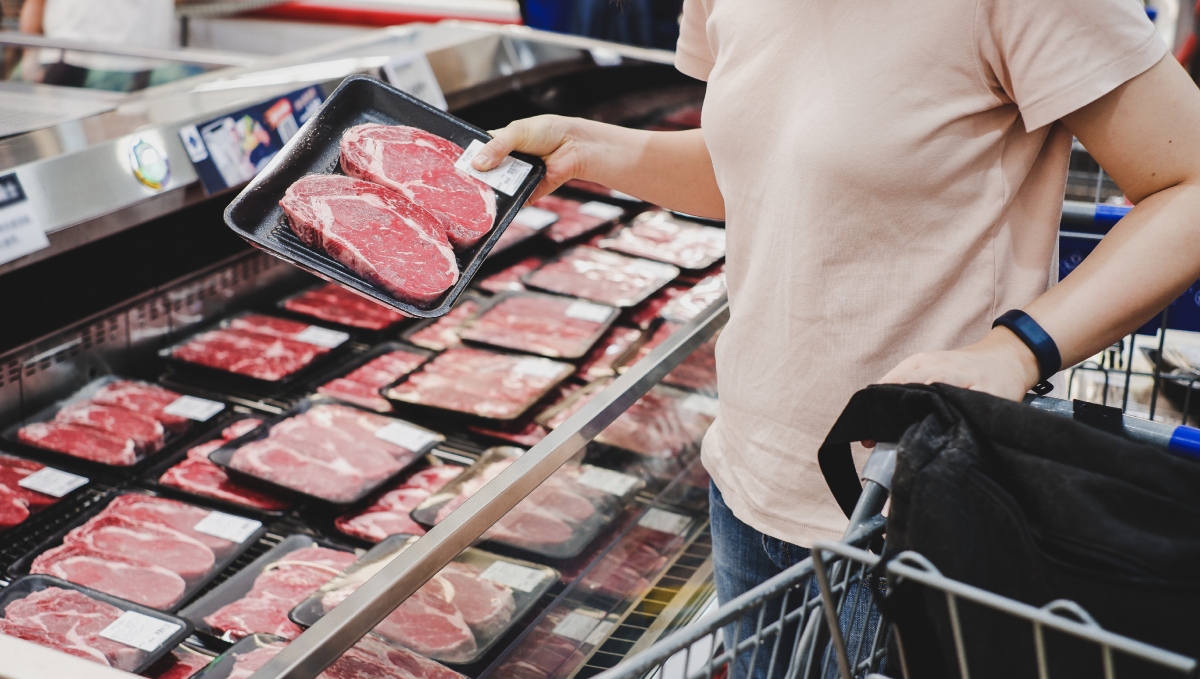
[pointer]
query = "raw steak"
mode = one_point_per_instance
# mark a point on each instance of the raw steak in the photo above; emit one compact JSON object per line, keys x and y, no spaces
{"x":543,"y":653}
{"x":540,"y":324}
{"x":51,"y":640}
{"x":361,"y":387}
{"x":641,"y":554}
{"x":146,"y":433}
{"x":531,"y":526}
{"x":334,"y":480}
{"x":486,"y":606}
{"x":659,"y":236}
{"x":254,"y":614}
{"x":660,"y":424}
{"x":268,"y":325}
{"x":387,"y":240}
{"x":166,"y":512}
{"x":645,"y":314}
{"x":479,"y":382}
{"x":523,"y":433}
{"x":181,"y":664}
{"x":335,"y":304}
{"x":513,"y":234}
{"x":697,"y":372}
{"x":442,"y":334}
{"x":699,"y":298}
{"x":263,"y":357}
{"x":14,"y":509}
{"x":148,"y":542}
{"x":76,"y":618}
{"x":571,"y":222}
{"x":510,"y":278}
{"x":389,"y":515}
{"x":420,"y":166}
{"x":136,"y":581}
{"x":602,"y":276}
{"x":240,"y":428}
{"x":12,"y":470}
{"x":78,"y":441}
{"x":141,"y":397}
{"x":368,"y":659}
{"x":201,"y":477}
{"x":603,"y":358}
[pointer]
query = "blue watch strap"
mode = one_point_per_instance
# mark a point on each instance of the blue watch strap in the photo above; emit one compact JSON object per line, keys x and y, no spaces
{"x":1039,"y":342}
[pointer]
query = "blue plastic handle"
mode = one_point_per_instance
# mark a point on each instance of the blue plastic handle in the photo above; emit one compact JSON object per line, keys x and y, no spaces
{"x":1185,"y":442}
{"x":1108,"y":215}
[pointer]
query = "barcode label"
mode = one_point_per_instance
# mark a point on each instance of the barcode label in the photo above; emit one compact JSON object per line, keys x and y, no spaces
{"x":514,"y":576}
{"x":698,"y":403}
{"x":607,"y":480}
{"x":535,"y":218}
{"x":235,"y":529}
{"x":664,"y":521}
{"x":587,"y":311}
{"x":140,"y":631}
{"x":322,"y":337}
{"x":594,"y":208}
{"x":505,"y":177}
{"x":599,"y":634}
{"x":538,"y":367}
{"x":194,"y":408}
{"x":52,"y":482}
{"x":407,"y":436}
{"x":577,"y":626}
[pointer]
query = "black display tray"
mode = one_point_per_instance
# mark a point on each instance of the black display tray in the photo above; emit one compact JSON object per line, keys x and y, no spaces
{"x":255,"y":214}
{"x":29,"y":584}
{"x":361,"y":333}
{"x":601,"y":327}
{"x":35,"y":514}
{"x":365,"y":358}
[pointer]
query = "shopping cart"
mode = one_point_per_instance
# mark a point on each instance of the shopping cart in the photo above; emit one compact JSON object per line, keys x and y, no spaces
{"x":829,"y":625}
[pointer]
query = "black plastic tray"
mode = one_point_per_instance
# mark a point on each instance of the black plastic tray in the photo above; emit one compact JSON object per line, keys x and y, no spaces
{"x":359,"y":361}
{"x":472,"y":296}
{"x":34,"y":513}
{"x":29,"y":584}
{"x":256,"y":216}
{"x":21,"y":566}
{"x":645,"y":294}
{"x":222,"y":666}
{"x":224,"y":455}
{"x":487,"y":307}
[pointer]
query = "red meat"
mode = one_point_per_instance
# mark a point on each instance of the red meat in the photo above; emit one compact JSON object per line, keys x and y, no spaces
{"x":389,"y":515}
{"x":486,"y":606}
{"x":252,"y":354}
{"x":601,"y":361}
{"x":143,"y":398}
{"x":148,"y":542}
{"x":146,"y":433}
{"x":52,"y":640}
{"x":659,"y":236}
{"x":75,"y":618}
{"x":510,"y":278}
{"x":12,"y":470}
{"x":480,"y":382}
{"x":136,"y":581}
{"x":571,"y":222}
{"x":181,"y":664}
{"x":540,"y":324}
{"x":602,"y":276}
{"x":171,"y":513}
{"x":442,"y":334}
{"x":201,"y":477}
{"x":82,"y":442}
{"x":361,"y":387}
{"x":14,"y":508}
{"x":335,"y":304}
{"x":280,"y":464}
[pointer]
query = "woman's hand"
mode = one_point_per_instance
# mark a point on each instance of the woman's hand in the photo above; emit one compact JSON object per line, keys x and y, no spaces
{"x":560,"y":142}
{"x":999,"y":364}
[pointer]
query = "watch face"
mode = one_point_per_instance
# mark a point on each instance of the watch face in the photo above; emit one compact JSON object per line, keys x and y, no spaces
{"x":149,"y":163}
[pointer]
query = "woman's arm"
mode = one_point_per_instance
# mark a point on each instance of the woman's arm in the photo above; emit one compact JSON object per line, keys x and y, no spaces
{"x":31,"y":16}
{"x":671,"y":169}
{"x":1146,"y":135}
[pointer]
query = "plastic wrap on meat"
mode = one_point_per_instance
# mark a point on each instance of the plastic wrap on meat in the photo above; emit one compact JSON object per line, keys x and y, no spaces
{"x":368,"y":659}
{"x":695,"y":301}
{"x":483,"y":383}
{"x":697,"y":372}
{"x":197,"y":475}
{"x":335,"y":304}
{"x":146,"y":433}
{"x":389,"y":515}
{"x":69,"y":620}
{"x":361,"y":386}
{"x":645,"y":314}
{"x":137,"y":581}
{"x":146,"y":399}
{"x":442,"y":334}
{"x":525,"y":433}
{"x":182,"y":663}
{"x":263,"y":357}
{"x":509,"y":279}
{"x":540,"y":324}
{"x":544,"y":654}
{"x":602,"y":276}
{"x":662,"y":237}
{"x":572,"y":222}
{"x":79,"y":441}
{"x":602,"y":360}
{"x":513,"y":235}
{"x":624,"y":570}
{"x":661,"y":424}
{"x":277,"y":589}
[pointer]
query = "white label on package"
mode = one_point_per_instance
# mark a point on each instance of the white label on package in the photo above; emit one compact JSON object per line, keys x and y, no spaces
{"x":412,"y":73}
{"x":594,"y":208}
{"x":505,"y":177}
{"x":599,"y":634}
{"x":576,"y":626}
{"x":193,"y":408}
{"x":52,"y":482}
{"x":698,"y":403}
{"x":512,"y":575}
{"x":235,"y":529}
{"x":406,"y":436}
{"x":20,"y":234}
{"x":650,"y":269}
{"x":535,"y":218}
{"x":607,"y":480}
{"x":587,"y":311}
{"x":664,"y":521}
{"x":538,"y":367}
{"x":322,"y":337}
{"x":140,"y":631}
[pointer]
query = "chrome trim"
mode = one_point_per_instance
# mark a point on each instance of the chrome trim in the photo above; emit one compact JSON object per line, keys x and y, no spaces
{"x":184,"y":55}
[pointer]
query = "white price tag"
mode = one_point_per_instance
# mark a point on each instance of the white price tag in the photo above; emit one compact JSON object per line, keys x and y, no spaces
{"x":505,"y":177}
{"x":20,"y":234}
{"x":576,"y":626}
{"x":535,"y":218}
{"x":411,"y":73}
{"x":194,"y":408}
{"x":599,"y":634}
{"x":538,"y":367}
{"x":235,"y":529}
{"x":52,"y":482}
{"x":140,"y":631}
{"x":594,"y":208}
{"x":587,"y":311}
{"x":322,"y":337}
{"x":607,"y":480}
{"x":656,"y":270}
{"x":664,"y":521}
{"x":512,"y":575}
{"x":698,"y":403}
{"x":406,"y":436}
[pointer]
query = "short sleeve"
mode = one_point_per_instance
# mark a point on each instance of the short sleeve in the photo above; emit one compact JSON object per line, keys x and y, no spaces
{"x":693,"y":56}
{"x":1052,"y":58}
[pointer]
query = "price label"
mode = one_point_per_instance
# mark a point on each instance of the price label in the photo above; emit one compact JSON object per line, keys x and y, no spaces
{"x":698,"y":403}
{"x":514,"y":576}
{"x":599,"y":634}
{"x":656,"y":270}
{"x":538,"y":367}
{"x":411,"y":73}
{"x":535,"y":218}
{"x":505,"y":177}
{"x":664,"y":521}
{"x":607,"y":480}
{"x":52,"y":482}
{"x":20,"y":234}
{"x":235,"y":529}
{"x":587,"y":311}
{"x":577,"y":626}
{"x":140,"y":631}
{"x":194,"y":408}
{"x":599,"y":210}
{"x":322,"y":337}
{"x":407,"y":436}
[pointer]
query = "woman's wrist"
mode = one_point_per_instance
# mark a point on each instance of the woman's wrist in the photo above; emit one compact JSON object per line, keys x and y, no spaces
{"x":1013,"y":352}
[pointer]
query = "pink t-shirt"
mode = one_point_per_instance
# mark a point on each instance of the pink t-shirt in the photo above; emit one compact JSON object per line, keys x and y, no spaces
{"x":893,"y":177}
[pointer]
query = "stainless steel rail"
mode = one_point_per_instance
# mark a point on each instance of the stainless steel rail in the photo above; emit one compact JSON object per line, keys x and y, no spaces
{"x":187,"y":55}
{"x":338,"y":631}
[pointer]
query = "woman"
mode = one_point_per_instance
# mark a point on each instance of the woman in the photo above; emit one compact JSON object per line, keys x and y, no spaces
{"x":891,"y":176}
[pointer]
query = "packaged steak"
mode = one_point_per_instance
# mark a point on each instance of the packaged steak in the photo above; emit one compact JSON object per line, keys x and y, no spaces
{"x":559,"y":644}
{"x":360,"y":381}
{"x":258,"y":597}
{"x":525,"y":432}
{"x":646,"y":314}
{"x":114,"y":422}
{"x":695,"y":301}
{"x":442,"y":333}
{"x":148,"y":549}
{"x":332,"y":303}
{"x":457,"y":615}
{"x":195,"y":475}
{"x":28,"y":487}
{"x":326,"y":450}
{"x":182,"y":663}
{"x":595,"y":189}
{"x":509,"y":279}
{"x":482,"y":383}
{"x":663,"y":237}
{"x":602,"y":276}
{"x":389,"y":513}
{"x":88,"y":624}
{"x":528,"y":222}
{"x":256,"y":349}
{"x":576,"y":218}
{"x":697,"y":372}
{"x":609,"y":353}
{"x":370,"y":658}
{"x":535,"y":323}
{"x":636,"y":560}
{"x":557,"y":520}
